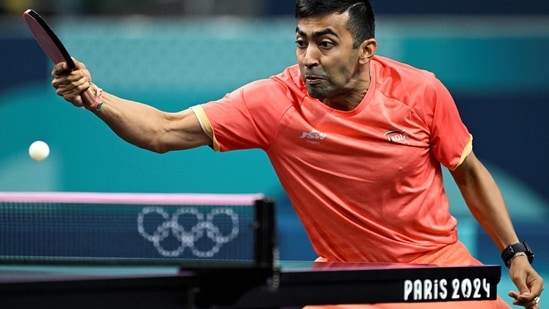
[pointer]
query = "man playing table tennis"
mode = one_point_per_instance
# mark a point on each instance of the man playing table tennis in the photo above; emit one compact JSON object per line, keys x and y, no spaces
{"x":357,"y":141}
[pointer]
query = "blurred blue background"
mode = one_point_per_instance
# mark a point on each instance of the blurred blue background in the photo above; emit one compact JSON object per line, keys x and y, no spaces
{"x":174,"y":54}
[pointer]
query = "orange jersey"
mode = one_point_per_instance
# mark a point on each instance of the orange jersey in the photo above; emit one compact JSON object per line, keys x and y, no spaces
{"x":366,"y":183}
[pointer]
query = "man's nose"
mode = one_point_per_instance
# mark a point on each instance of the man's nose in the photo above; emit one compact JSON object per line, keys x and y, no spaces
{"x":310,"y":57}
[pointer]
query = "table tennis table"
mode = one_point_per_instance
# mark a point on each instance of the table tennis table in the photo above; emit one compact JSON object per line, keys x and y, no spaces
{"x":293,"y":284}
{"x":97,"y":250}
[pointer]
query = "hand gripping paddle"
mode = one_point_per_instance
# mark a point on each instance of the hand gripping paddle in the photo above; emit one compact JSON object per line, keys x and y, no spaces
{"x":52,"y":46}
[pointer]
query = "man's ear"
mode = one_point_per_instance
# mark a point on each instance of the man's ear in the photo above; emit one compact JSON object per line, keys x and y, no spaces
{"x":368,"y":49}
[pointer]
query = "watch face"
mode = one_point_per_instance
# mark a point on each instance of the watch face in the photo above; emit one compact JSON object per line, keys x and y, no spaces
{"x":519,"y":247}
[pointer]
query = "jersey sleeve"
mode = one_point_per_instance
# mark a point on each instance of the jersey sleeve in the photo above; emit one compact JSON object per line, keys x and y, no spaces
{"x":451,"y":140}
{"x":245,"y":118}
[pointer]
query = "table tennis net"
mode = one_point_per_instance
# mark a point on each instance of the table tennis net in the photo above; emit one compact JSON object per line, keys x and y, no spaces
{"x":113,"y":228}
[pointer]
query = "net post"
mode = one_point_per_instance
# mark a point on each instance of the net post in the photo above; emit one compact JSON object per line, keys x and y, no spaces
{"x":265,"y":234}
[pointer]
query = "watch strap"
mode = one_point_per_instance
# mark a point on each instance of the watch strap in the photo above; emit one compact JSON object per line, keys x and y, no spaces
{"x":509,"y":252}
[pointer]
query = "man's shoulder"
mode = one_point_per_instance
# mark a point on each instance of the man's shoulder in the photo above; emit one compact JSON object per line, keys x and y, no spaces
{"x":289,"y":80}
{"x":391,"y":66}
{"x":290,"y":76}
{"x":395,"y":76}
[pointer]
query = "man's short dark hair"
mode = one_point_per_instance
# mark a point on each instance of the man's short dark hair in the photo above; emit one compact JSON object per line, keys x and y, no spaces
{"x":361,"y":23}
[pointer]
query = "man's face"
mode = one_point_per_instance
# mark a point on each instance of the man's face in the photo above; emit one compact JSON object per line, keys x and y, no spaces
{"x":326,"y":58}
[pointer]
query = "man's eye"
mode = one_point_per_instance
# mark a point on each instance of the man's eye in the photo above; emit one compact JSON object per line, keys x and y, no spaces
{"x":326,"y":44}
{"x":300,"y":43}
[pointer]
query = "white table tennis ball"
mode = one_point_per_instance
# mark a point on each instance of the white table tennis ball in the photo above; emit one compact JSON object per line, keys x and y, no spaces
{"x":39,"y":150}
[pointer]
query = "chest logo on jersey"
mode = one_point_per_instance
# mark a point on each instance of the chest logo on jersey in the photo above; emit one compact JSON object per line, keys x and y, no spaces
{"x":397,"y":136}
{"x":313,"y":136}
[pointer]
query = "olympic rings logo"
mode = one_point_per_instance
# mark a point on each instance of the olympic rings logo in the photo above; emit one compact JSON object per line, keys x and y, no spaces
{"x":203,"y":229}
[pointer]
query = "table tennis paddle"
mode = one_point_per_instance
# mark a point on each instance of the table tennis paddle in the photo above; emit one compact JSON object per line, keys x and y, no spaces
{"x":52,"y":46}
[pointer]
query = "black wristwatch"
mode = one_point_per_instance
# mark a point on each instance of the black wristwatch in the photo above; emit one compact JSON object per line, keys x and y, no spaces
{"x":509,"y":252}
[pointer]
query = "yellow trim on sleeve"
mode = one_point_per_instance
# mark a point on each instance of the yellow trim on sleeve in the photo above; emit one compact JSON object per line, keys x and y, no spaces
{"x":466,"y":151}
{"x":205,"y":124}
